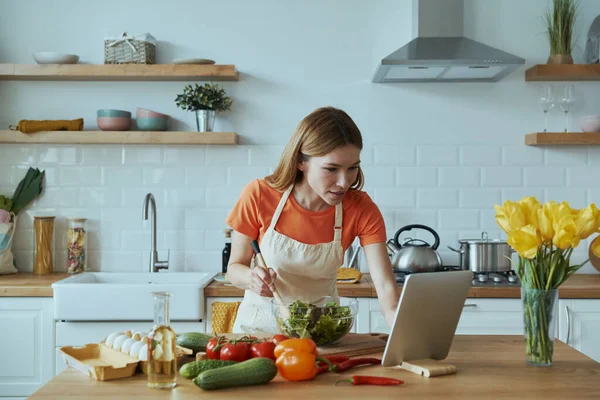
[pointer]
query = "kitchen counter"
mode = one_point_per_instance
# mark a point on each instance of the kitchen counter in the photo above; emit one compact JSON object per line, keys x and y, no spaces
{"x":27,"y":284}
{"x":489,"y":367}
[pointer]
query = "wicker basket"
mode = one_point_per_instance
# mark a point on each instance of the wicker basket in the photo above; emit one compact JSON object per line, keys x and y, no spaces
{"x":137,"y":49}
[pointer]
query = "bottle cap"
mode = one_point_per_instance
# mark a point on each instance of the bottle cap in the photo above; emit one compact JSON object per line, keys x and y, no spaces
{"x":227,"y":232}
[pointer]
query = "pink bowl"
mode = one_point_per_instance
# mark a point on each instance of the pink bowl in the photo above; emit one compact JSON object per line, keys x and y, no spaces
{"x":143,"y":113}
{"x":114,"y":123}
{"x":590,"y":123}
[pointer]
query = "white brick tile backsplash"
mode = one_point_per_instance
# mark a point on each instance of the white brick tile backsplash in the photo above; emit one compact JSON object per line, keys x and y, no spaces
{"x":205,"y":218}
{"x":163,"y":177}
{"x":122,"y":177}
{"x":65,"y":155}
{"x":417,"y":176}
{"x":394,"y":155}
{"x":203,"y":261}
{"x":480,"y":155}
{"x":6,"y":174}
{"x":379,"y":176}
{"x":174,"y":240}
{"x":142,"y":155}
{"x":447,"y":238}
{"x":544,"y":176}
{"x":185,"y":155}
{"x":567,"y":156}
{"x":479,"y":198}
{"x":169,"y":218}
{"x":437,"y":155}
{"x":191,"y":239}
{"x":227,"y":156}
{"x":50,"y":176}
{"x":415,"y":216}
{"x":522,"y":155}
{"x":238,"y":177}
{"x":206,"y":177}
{"x":222,"y":197}
{"x":135,"y":197}
{"x":594,"y":196}
{"x":121,"y":218}
{"x":576,"y":197}
{"x":115,"y":261}
{"x":515,"y":194}
{"x":186,"y":197}
{"x":94,"y":155}
{"x":108,"y":239}
{"x":459,"y":219}
{"x":214,"y":240}
{"x":18,"y":173}
{"x":367,"y":156}
{"x":138,"y":240}
{"x":23,"y":260}
{"x":583,"y":177}
{"x":13,"y":154}
{"x":24,"y":239}
{"x":459,"y":176}
{"x":437,"y":198}
{"x":501,"y":176}
{"x":79,"y":176}
{"x":400,"y":197}
{"x":488,"y":220}
{"x":594,"y":155}
{"x":100,"y":197}
{"x":58,"y":197}
{"x":265,"y":156}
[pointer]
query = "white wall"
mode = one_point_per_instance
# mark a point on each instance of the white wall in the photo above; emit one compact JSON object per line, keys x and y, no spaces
{"x":438,"y":154}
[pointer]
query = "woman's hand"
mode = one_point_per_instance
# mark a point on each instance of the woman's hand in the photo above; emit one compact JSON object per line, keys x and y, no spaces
{"x":262,"y":282}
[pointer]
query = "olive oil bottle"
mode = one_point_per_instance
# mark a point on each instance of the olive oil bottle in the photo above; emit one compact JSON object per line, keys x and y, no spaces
{"x":162,"y":360}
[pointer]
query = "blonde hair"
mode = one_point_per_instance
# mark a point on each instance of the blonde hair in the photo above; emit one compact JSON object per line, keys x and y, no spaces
{"x":319,"y":133}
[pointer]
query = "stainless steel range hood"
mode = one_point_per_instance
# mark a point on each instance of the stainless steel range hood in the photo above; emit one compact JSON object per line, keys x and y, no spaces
{"x":440,"y":52}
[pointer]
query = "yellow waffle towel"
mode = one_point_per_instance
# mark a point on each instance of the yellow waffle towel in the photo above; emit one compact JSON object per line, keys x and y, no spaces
{"x":30,"y":126}
{"x":348,"y":275}
{"x":223,"y":316}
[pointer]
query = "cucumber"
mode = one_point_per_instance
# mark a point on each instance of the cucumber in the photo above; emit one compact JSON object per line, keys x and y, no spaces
{"x":194,"y":341}
{"x":195,"y":368}
{"x":256,"y":371}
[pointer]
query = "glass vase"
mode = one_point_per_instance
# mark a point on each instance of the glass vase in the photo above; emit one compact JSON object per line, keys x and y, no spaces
{"x":205,"y":120}
{"x":162,"y":360}
{"x":540,"y":308}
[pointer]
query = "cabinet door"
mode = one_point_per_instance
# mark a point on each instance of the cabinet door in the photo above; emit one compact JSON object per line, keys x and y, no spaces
{"x":491,"y":317}
{"x":346,"y":301}
{"x":26,"y":344}
{"x":377,"y":322}
{"x":579,"y":324}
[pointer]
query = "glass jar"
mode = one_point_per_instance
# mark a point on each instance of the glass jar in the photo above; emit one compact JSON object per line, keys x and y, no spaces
{"x":162,"y":359}
{"x":76,"y":245}
{"x":44,"y":244}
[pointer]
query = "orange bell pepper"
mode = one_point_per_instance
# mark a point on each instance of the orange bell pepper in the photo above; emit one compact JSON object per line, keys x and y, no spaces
{"x":296,"y":365}
{"x":304,"y":345}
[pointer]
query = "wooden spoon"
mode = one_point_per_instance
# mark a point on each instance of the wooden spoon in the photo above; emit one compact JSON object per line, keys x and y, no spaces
{"x":593,"y":259}
{"x":262,"y":264}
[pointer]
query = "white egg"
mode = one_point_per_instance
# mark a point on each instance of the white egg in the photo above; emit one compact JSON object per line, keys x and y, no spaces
{"x":143,"y":353}
{"x":135,"y":348}
{"x":168,"y":354}
{"x":158,"y":336}
{"x":138,"y":335}
{"x":127,"y":345}
{"x":157,"y":353}
{"x":119,"y":342}
{"x":111,"y":338}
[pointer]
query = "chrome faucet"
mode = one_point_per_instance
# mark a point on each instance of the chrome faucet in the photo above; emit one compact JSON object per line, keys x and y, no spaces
{"x":155,"y":264}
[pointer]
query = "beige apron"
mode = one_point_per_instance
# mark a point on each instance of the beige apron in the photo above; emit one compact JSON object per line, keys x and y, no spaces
{"x":305,"y":272}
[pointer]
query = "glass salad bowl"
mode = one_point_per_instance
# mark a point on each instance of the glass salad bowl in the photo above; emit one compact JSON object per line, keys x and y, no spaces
{"x":325,"y":323}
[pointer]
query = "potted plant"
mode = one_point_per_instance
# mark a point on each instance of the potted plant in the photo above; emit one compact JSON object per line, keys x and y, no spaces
{"x":559,"y":24}
{"x":206,"y":100}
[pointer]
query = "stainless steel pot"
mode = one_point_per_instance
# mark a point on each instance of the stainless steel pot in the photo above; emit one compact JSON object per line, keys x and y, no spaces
{"x":484,"y":255}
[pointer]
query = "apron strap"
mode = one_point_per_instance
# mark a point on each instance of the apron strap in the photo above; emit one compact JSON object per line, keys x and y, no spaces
{"x":280,"y":206}
{"x":337,"y":228}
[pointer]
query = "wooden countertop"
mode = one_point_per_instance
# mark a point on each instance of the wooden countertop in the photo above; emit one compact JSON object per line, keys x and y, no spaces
{"x":489,"y":367}
{"x":27,"y":284}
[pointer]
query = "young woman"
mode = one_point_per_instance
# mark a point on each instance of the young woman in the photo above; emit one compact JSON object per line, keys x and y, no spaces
{"x":304,"y":216}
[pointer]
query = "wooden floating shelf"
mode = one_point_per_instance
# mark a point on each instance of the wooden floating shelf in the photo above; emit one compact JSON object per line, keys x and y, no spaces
{"x":119,"y":137}
{"x":563,"y":72}
{"x":117,"y":72}
{"x":562,"y":138}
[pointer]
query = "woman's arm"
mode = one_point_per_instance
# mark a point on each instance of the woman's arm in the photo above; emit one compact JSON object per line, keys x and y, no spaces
{"x":380,"y":268}
{"x":239,"y":272}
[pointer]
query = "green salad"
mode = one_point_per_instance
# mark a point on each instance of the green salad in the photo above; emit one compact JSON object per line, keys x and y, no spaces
{"x":323,"y":324}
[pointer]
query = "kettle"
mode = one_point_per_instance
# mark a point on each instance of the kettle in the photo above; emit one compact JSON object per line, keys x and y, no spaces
{"x":415,"y":255}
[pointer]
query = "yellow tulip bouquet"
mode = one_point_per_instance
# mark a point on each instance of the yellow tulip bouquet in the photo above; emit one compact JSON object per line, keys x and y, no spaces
{"x":544,"y":237}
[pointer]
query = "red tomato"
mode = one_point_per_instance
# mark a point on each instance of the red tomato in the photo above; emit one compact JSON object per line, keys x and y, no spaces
{"x":264,"y":349}
{"x":210,"y":349}
{"x":235,"y":352}
{"x":278,"y":338}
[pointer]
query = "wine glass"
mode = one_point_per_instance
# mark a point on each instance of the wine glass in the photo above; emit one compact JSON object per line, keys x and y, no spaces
{"x":567,"y":102}
{"x":547,"y":102}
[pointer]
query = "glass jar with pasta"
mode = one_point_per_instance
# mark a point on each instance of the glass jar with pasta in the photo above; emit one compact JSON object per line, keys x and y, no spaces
{"x":76,"y":245}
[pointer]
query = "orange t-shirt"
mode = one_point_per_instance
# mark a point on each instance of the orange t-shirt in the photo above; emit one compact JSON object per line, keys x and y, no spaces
{"x":254,"y":211}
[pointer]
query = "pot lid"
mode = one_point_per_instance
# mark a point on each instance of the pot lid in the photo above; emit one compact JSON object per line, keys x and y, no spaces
{"x":484,"y":239}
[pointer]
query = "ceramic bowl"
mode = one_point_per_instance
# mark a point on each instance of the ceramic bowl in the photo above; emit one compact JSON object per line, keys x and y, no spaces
{"x":113,"y":113}
{"x":144,"y":113}
{"x":114,"y":123}
{"x":50,"y":57}
{"x":590,"y":123}
{"x":152,"y":124}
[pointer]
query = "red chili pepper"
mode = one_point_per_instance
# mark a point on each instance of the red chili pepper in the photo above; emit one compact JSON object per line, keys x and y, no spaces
{"x":372,"y":380}
{"x":322,"y":369}
{"x":336,"y":358}
{"x":346,"y":365}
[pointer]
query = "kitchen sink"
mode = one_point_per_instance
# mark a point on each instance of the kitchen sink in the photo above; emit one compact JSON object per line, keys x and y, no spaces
{"x":113,"y":296}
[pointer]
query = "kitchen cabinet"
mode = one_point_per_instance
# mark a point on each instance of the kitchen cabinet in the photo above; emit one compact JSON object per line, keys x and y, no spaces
{"x":579,"y":325}
{"x":80,"y":333}
{"x":26,"y":345}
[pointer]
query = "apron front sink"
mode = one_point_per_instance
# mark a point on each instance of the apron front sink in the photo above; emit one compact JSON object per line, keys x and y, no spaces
{"x":113,"y":296}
